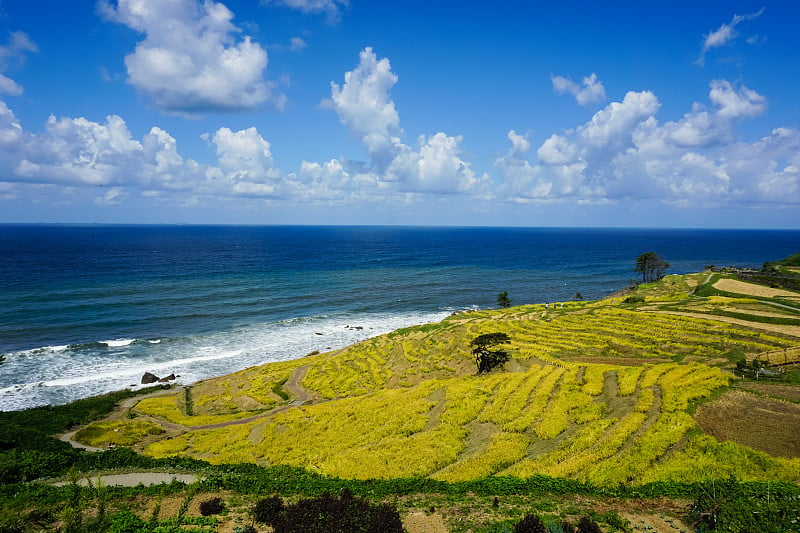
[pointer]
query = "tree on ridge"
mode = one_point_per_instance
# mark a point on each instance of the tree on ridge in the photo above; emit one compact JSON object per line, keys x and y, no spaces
{"x":503,"y":300}
{"x":651,"y":266}
{"x":485,"y":358}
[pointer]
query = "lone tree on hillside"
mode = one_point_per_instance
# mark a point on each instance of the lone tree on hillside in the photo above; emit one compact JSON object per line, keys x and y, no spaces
{"x":651,"y":266}
{"x":503,"y":300}
{"x":485,"y":358}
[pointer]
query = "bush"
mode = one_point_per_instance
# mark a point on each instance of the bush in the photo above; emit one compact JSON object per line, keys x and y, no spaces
{"x":530,"y":524}
{"x":586,"y":525}
{"x":326,"y":514}
{"x":211,"y":507}
{"x":268,"y":511}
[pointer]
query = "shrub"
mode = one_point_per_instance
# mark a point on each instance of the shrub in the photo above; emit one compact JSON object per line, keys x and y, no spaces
{"x":586,"y":525}
{"x":211,"y":507}
{"x":268,"y":511}
{"x":530,"y":524}
{"x":326,"y":514}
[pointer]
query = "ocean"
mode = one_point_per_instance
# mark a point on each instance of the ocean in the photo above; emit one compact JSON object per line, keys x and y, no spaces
{"x":89,"y":309}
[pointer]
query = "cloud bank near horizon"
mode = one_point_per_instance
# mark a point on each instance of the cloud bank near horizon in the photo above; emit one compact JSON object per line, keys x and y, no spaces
{"x":193,"y":59}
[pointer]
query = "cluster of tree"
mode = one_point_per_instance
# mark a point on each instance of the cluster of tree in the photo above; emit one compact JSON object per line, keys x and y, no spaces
{"x":651,"y":266}
{"x":327,"y":514}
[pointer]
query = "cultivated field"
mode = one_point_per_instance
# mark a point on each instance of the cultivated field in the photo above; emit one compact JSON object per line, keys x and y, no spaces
{"x":605,"y":392}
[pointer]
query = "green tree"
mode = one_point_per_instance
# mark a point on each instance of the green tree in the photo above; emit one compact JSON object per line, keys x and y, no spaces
{"x":651,"y":266}
{"x":503,"y":300}
{"x":487,"y":359}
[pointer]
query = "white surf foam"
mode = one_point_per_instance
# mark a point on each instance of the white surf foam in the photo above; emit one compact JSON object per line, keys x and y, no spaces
{"x":59,"y":376}
{"x":118,"y":343}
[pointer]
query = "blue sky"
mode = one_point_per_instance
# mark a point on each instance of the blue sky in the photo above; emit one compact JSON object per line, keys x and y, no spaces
{"x":400,"y":112}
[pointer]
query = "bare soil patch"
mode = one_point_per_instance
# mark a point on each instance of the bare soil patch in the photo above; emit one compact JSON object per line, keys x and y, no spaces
{"x":134,"y":478}
{"x":742,"y":287}
{"x":789,"y":392}
{"x":765,"y":424}
{"x":792,"y":331}
{"x":419,"y":522}
{"x":772,"y":314}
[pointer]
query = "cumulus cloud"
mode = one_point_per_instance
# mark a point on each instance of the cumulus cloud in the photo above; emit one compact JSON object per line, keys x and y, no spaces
{"x":591,"y":92}
{"x":245,"y":163}
{"x":365,"y":106}
{"x":624,"y":153}
{"x":725,"y":34}
{"x":77,"y":152}
{"x":14,"y":52}
{"x":191,"y":60}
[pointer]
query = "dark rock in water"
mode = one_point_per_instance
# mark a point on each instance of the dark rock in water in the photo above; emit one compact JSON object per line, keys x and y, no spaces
{"x":148,"y":378}
{"x":167,"y":378}
{"x":317,"y":333}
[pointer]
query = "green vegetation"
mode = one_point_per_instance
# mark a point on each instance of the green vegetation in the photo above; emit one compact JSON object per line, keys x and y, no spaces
{"x":589,"y":402}
{"x":651,"y":266}
{"x":503,"y":300}
{"x":485,"y":359}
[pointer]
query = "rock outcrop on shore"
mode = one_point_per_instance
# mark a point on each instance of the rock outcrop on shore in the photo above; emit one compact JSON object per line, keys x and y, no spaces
{"x":149,"y":377}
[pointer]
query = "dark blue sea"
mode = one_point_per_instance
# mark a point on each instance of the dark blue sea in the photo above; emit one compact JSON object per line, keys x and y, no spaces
{"x":89,"y":309}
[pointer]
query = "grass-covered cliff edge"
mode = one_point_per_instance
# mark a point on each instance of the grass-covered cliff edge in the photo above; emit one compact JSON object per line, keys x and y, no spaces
{"x":633,"y":391}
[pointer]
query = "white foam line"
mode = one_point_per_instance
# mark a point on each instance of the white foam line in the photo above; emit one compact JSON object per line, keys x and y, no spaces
{"x":135,"y":371}
{"x":118,"y":343}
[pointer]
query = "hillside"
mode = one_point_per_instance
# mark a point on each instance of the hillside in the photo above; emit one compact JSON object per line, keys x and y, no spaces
{"x":605,"y":392}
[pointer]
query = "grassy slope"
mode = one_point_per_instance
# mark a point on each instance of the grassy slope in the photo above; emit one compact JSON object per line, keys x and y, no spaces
{"x":600,"y":391}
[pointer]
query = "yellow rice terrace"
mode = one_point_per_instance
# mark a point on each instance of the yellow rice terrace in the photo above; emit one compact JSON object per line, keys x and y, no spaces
{"x":608,"y":391}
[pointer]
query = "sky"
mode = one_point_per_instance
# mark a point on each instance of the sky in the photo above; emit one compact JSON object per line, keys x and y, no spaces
{"x":632,"y":114}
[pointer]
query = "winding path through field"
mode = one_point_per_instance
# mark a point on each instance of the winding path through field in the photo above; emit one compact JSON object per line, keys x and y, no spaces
{"x":302,"y":395}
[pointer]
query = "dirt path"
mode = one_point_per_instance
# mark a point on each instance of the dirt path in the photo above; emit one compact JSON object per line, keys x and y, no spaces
{"x":293,"y":384}
{"x":133,"y":479}
{"x":121,"y":410}
{"x":302,"y":395}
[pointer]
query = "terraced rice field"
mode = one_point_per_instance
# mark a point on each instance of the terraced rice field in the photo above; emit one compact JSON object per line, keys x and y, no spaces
{"x":409,"y":403}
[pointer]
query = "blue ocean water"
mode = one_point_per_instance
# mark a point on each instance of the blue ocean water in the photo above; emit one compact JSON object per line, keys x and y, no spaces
{"x":88,"y":309}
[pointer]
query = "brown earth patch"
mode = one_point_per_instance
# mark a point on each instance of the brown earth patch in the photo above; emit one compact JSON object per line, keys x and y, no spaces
{"x":771,"y":314}
{"x":419,"y":522}
{"x":792,"y":331}
{"x":764,"y":424}
{"x":789,"y":392}
{"x":741,"y":287}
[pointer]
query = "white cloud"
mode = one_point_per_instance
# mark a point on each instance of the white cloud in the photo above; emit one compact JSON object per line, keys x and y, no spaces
{"x":735,"y":104}
{"x":18,"y":45}
{"x":365,"y":106}
{"x":190,"y":60}
{"x":592,"y":91}
{"x":725,"y":34}
{"x":624,"y":153}
{"x":331,"y":8}
{"x":245,"y":162}
{"x":522,"y":180}
{"x":296,"y":44}
{"x":615,"y":122}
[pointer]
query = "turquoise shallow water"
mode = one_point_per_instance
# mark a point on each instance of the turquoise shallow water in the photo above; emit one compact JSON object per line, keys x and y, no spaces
{"x":89,"y":309}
